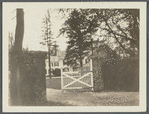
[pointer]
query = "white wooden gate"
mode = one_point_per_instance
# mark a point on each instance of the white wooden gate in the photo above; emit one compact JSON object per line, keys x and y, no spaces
{"x":74,"y":80}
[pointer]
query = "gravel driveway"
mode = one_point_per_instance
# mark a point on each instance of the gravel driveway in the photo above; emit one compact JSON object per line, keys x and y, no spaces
{"x":93,"y":99}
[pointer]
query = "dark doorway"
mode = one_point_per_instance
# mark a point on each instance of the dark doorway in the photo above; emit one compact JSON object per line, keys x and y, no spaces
{"x":57,"y":72}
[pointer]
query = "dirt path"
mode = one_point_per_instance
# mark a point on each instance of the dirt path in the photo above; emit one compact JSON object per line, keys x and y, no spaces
{"x":94,"y":99}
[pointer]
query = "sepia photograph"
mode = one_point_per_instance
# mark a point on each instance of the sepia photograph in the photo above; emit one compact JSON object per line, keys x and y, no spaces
{"x":74,"y":56}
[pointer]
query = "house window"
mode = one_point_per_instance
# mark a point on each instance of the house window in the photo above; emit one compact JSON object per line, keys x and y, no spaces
{"x":56,"y":64}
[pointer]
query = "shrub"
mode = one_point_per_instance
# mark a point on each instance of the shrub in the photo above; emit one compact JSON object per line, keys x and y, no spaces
{"x":121,"y":76}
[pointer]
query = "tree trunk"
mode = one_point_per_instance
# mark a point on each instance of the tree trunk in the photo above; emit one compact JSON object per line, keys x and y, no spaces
{"x":49,"y":61}
{"x":14,"y":86}
{"x":81,"y":63}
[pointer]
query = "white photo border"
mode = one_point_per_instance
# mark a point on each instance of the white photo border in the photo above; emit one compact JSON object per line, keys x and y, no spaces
{"x":143,"y":51}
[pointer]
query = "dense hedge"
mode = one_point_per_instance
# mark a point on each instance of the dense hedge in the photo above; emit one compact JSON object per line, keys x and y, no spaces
{"x":121,"y":75}
{"x":32,"y":84}
{"x":28,"y":78}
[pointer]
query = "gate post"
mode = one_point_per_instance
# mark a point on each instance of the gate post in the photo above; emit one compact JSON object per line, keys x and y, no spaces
{"x":61,"y":79}
{"x":97,"y":72}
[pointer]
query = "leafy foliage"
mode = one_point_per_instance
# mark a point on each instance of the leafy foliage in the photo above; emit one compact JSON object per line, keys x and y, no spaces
{"x":79,"y":29}
{"x":119,"y":30}
{"x":122,"y":28}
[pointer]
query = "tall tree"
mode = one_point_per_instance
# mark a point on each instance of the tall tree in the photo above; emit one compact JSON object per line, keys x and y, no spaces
{"x":47,"y":35}
{"x":79,"y":28}
{"x":122,"y":27}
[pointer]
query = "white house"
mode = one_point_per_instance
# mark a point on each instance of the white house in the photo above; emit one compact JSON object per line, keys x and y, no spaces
{"x":57,"y":64}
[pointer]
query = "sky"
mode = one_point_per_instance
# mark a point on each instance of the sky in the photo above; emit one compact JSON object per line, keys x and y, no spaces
{"x":33,"y":17}
{"x":34,"y":14}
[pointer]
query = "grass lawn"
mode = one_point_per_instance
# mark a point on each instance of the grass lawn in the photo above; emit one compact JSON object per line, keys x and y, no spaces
{"x":66,"y":98}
